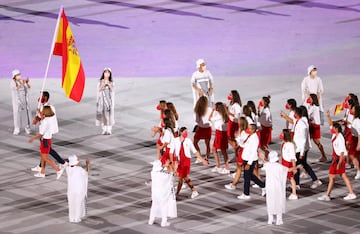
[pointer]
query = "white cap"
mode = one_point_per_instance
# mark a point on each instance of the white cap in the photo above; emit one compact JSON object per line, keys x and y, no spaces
{"x":107,"y":69}
{"x":157,"y":165}
{"x":73,"y":160}
{"x":15,"y":72}
{"x":273,"y":156}
{"x":310,"y":68}
{"x":199,"y":62}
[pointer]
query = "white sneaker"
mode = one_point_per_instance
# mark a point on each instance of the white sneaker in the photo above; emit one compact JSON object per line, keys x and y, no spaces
{"x":39,"y":175}
{"x":28,"y":131}
{"x":279,"y":222}
{"x":293,"y":197}
{"x":263,"y":192}
{"x":297,"y":187}
{"x":194,"y":194}
{"x":316,"y":184}
{"x":230,"y":186}
{"x":16,"y":131}
{"x":197,"y":161}
{"x":215,"y":169}
{"x":37,"y":168}
{"x":224,"y":171}
{"x":243,"y":197}
{"x":151,"y":221}
{"x":255,"y":186}
{"x":59,"y":173}
{"x":357,"y":175}
{"x":350,"y":196}
{"x":167,"y":224}
{"x":324,"y":198}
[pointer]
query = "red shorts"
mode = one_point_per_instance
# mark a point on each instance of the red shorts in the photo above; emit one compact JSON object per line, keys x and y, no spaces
{"x":239,"y":155}
{"x":184,"y":167}
{"x":333,"y":166}
{"x":288,"y":165}
{"x":221,"y":140}
{"x":45,"y":148}
{"x":315,"y":131}
{"x":353,"y":145}
{"x":159,"y":143}
{"x":265,"y":135}
{"x":166,"y":156}
{"x":203,"y":133}
{"x":232,"y":128}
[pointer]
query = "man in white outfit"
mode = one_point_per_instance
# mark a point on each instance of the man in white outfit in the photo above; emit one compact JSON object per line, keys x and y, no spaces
{"x":202,"y":83}
{"x":77,"y":188}
{"x":313,"y":84}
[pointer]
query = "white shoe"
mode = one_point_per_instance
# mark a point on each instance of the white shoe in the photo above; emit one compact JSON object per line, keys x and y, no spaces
{"x":279,"y":222}
{"x":37,"y":168}
{"x":350,"y":196}
{"x":224,"y":171}
{"x":263,"y":192}
{"x":255,"y":186}
{"x":316,"y":184}
{"x":297,"y":187}
{"x":28,"y":131}
{"x":167,"y":224}
{"x":59,"y":173}
{"x":215,"y":169}
{"x":39,"y":175}
{"x":16,"y":131}
{"x":230,"y":186}
{"x":243,"y":197}
{"x":357,"y":175}
{"x":109,"y":130}
{"x":103,"y":132}
{"x":197,"y":161}
{"x":293,"y":197}
{"x":324,"y":198}
{"x":194,"y":194}
{"x":151,"y":221}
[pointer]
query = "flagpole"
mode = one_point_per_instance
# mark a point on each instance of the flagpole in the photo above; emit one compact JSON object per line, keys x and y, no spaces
{"x":50,"y":54}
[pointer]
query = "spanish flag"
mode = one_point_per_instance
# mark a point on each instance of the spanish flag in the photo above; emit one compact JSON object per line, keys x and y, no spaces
{"x":73,"y":76}
{"x":338,"y":109}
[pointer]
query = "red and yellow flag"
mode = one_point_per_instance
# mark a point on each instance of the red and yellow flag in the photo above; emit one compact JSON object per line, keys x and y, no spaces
{"x":338,"y":109}
{"x":73,"y":76}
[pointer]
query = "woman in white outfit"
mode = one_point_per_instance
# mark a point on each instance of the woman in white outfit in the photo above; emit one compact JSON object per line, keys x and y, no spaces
{"x":105,"y":102}
{"x":20,"y":102}
{"x":77,"y":188}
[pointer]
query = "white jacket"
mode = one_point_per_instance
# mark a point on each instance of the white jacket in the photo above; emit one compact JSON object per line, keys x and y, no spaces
{"x":188,"y":147}
{"x":250,"y":148}
{"x":302,"y":136}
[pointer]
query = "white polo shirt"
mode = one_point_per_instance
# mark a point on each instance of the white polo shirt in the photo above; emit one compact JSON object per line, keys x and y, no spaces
{"x":288,"y":151}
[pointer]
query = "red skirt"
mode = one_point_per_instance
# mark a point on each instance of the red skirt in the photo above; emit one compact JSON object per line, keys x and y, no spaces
{"x":333,"y":166}
{"x":239,"y":155}
{"x":353,"y":145}
{"x":166,"y":156}
{"x":221,"y":140}
{"x":288,"y":165}
{"x":348,"y":135}
{"x":203,"y":133}
{"x":45,"y":148}
{"x":232,"y":128}
{"x":265,"y":135}
{"x":315,"y":131}
{"x":183,"y":169}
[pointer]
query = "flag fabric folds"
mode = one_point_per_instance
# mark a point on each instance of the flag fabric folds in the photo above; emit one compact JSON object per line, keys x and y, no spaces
{"x":73,"y":76}
{"x":338,"y":109}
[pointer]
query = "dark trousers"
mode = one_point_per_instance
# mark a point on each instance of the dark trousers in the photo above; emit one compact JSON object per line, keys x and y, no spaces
{"x":56,"y":156}
{"x":248,"y":176}
{"x":306,"y":166}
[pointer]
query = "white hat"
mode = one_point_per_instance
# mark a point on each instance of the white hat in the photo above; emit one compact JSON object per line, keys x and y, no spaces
{"x":73,"y":160}
{"x":157,"y":165}
{"x":15,"y":72}
{"x":310,"y":68}
{"x":273,"y":156}
{"x":199,"y":62}
{"x":107,"y":69}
